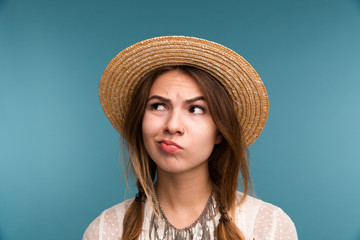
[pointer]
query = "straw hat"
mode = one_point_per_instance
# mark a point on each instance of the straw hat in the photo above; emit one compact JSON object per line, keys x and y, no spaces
{"x":126,"y":70}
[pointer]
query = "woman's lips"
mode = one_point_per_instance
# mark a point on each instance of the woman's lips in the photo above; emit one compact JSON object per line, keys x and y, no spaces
{"x":169,"y":147}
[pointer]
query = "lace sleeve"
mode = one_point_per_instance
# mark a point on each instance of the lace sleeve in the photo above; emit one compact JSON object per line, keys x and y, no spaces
{"x":272,"y":223}
{"x":92,"y":231}
{"x":105,"y":226}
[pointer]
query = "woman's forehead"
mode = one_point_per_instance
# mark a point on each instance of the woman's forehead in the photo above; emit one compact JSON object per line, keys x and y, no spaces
{"x":175,"y":83}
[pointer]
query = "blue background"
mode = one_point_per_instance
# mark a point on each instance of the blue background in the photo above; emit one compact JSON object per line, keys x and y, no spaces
{"x":60,"y":163}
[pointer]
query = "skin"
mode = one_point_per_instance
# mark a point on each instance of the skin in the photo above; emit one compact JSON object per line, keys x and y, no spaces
{"x":179,"y":135}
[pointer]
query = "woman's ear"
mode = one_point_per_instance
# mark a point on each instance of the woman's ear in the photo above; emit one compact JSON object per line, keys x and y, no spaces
{"x":218,"y":138}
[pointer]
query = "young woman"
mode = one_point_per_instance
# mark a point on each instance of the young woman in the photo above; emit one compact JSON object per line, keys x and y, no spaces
{"x":188,"y":109}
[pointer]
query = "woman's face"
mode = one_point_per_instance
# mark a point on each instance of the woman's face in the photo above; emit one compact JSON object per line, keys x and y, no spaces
{"x":178,"y":131}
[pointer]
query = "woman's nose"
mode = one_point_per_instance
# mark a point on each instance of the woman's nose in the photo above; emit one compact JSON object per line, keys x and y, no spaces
{"x":175,"y":124}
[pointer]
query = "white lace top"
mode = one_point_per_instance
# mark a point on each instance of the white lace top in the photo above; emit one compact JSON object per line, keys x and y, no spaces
{"x":256,"y":220}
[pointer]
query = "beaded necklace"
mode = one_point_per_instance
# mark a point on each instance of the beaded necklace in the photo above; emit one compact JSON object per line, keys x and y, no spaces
{"x":200,"y":229}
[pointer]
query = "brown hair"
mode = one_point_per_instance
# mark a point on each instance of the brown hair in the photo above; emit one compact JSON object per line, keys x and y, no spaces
{"x":227,"y":159}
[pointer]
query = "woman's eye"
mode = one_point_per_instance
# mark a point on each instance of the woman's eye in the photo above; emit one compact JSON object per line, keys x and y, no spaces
{"x":197,"y":110}
{"x":158,"y":107}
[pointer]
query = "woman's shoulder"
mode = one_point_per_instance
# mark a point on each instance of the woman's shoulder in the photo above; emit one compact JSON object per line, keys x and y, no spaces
{"x":108,"y":223}
{"x":120,"y":207}
{"x":263,"y":220}
{"x":253,"y":202}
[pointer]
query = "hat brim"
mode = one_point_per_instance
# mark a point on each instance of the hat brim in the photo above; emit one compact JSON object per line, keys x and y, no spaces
{"x":127,"y":69}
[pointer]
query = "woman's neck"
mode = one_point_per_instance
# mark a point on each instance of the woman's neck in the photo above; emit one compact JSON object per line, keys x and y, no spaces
{"x":183,"y":196}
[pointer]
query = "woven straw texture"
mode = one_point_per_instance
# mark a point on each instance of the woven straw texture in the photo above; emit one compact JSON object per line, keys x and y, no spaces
{"x":125,"y":71}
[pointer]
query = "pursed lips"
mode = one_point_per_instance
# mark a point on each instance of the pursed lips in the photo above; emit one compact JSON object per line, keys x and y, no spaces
{"x":169,"y":146}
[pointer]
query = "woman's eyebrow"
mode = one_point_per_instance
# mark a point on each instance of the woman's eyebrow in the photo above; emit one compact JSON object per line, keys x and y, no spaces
{"x":159,"y":98}
{"x":191,"y":100}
